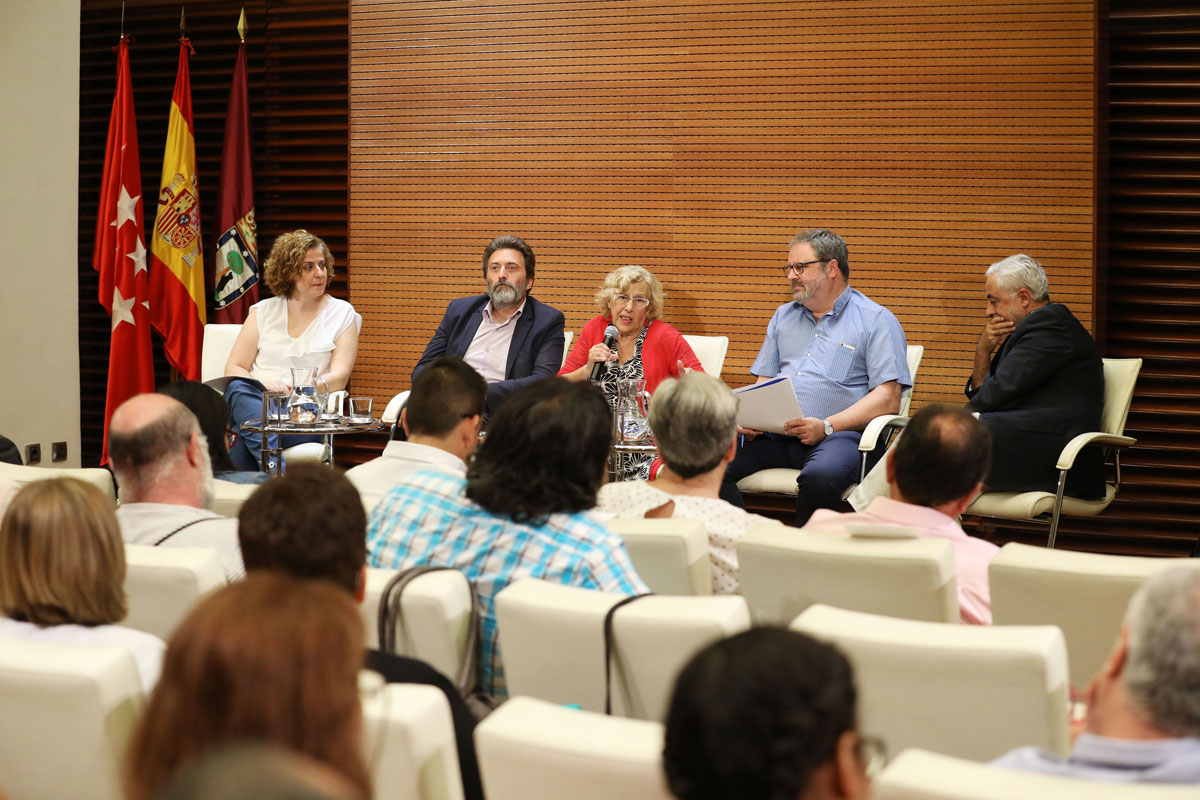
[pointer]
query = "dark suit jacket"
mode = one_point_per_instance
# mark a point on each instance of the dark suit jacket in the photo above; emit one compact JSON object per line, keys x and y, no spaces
{"x":1045,"y":386}
{"x":536,"y":351}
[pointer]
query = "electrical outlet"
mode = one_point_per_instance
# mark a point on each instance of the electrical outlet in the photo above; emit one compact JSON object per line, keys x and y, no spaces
{"x":33,"y":454}
{"x":58,"y":451}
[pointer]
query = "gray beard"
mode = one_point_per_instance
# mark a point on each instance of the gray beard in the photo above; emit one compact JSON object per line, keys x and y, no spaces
{"x":504,"y":295}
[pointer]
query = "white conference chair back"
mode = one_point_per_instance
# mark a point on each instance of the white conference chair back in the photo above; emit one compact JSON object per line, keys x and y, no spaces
{"x":435,"y":613}
{"x":409,"y":742}
{"x":670,"y":555}
{"x":970,"y":691}
{"x":710,"y":351}
{"x":101,"y":478}
{"x":165,"y":583}
{"x":531,"y":749}
{"x":68,"y":712}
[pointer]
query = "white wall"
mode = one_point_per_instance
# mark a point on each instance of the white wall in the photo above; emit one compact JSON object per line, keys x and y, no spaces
{"x":39,"y":177}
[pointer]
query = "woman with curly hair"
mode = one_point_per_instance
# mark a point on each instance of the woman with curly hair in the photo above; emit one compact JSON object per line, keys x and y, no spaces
{"x":301,"y":326}
{"x":271,"y":659}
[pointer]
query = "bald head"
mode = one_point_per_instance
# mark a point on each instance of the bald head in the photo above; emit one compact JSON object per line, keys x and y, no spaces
{"x":148,"y":437}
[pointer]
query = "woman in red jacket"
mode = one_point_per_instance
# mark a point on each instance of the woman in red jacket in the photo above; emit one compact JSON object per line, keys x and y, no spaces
{"x":631,"y":300}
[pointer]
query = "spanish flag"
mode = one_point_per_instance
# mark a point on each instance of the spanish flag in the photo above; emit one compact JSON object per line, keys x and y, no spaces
{"x":176,"y":263}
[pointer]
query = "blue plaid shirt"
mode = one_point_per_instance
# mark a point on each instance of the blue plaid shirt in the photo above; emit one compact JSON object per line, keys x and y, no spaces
{"x":834,"y":362}
{"x":429,"y":520}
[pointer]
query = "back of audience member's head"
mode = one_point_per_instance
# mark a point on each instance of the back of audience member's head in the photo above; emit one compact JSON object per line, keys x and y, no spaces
{"x":1162,"y":667}
{"x":62,"y":559}
{"x":256,"y":771}
{"x":309,"y":523}
{"x":546,"y":451}
{"x":766,"y":714}
{"x":212,"y":414}
{"x":148,"y":436}
{"x":272,"y":658}
{"x":694,"y":419}
{"x":444,"y":394}
{"x":943,"y":454}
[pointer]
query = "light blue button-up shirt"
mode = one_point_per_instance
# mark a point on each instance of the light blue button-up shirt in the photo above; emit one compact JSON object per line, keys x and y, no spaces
{"x":1102,"y":758}
{"x":835,"y":361}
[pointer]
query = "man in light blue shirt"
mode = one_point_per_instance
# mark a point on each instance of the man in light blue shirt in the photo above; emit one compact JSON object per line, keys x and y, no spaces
{"x":846,"y":358}
{"x":1143,"y":720}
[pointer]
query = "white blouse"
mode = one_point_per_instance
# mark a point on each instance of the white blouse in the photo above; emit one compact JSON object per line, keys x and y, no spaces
{"x":278,"y":352}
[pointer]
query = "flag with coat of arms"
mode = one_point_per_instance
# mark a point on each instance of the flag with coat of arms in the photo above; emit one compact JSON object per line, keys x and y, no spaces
{"x":176,"y":262}
{"x":120,"y":252}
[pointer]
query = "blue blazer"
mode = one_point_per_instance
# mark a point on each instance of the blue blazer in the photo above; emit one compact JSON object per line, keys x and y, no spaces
{"x":536,"y":351}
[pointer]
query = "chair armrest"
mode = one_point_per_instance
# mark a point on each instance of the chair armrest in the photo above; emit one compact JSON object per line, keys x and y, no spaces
{"x":336,"y":401}
{"x":870,"y":436}
{"x":392,"y":412}
{"x":1067,"y":459}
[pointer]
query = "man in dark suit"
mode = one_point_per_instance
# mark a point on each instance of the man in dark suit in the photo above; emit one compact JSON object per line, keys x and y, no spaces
{"x":510,"y":338}
{"x":1044,"y":386}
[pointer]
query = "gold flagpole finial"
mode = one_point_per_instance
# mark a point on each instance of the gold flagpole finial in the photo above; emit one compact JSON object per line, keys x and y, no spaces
{"x":242,"y":25}
{"x":182,"y":24}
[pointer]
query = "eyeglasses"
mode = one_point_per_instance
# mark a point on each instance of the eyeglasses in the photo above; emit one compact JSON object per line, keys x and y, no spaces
{"x":872,"y":754}
{"x":638,"y":302}
{"x":799,"y":268}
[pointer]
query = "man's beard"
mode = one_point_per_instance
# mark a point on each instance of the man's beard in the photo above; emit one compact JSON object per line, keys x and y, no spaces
{"x":801,"y":292}
{"x":504,"y":295}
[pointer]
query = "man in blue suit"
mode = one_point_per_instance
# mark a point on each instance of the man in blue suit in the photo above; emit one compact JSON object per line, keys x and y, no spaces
{"x":510,"y":338}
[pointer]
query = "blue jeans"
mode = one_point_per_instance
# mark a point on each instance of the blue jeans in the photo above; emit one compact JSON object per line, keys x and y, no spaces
{"x":827,"y":468}
{"x":244,"y":399}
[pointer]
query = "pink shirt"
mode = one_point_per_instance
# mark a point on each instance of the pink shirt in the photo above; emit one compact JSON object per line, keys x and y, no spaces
{"x":488,"y":351}
{"x":971,"y":555}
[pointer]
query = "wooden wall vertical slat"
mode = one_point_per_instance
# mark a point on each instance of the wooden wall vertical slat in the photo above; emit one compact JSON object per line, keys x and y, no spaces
{"x":695,"y":138}
{"x":297,"y":71}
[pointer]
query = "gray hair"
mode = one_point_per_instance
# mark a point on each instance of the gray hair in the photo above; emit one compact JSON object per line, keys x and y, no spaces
{"x":827,"y":245}
{"x":693,"y":419}
{"x":1162,"y":668}
{"x":618,"y":282}
{"x":142,"y":457}
{"x":1021,"y":272}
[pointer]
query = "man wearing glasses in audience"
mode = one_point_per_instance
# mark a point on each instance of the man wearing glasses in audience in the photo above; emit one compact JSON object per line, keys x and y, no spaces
{"x":506,"y":335}
{"x":846,"y":358}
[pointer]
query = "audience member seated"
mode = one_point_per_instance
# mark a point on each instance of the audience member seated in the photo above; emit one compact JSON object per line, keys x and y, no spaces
{"x":164,"y":475}
{"x":270,"y":659}
{"x":768,"y":713}
{"x":62,"y":573}
{"x":1143,"y":706}
{"x":631,"y":300}
{"x":254,"y":771}
{"x":213,"y":415}
{"x":507,"y":335}
{"x":935,"y":471}
{"x":441,"y":419}
{"x":9,"y":454}
{"x":310,"y":524}
{"x":695,"y":425}
{"x":301,"y":326}
{"x":521,"y":511}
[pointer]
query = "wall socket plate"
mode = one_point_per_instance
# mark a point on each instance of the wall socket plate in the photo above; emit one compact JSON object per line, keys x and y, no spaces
{"x":58,"y":451}
{"x":33,"y":453}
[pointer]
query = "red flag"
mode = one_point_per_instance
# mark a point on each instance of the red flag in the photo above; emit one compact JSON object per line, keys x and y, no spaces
{"x":176,"y":263}
{"x":235,"y":282}
{"x":120,"y":254}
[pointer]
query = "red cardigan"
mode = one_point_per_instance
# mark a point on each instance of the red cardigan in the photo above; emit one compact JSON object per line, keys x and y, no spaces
{"x":663,"y":347}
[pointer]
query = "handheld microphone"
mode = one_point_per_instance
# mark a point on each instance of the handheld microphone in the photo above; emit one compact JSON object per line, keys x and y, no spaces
{"x":610,"y":341}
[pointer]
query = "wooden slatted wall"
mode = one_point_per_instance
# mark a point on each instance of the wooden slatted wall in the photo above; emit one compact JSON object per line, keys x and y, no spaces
{"x":297,"y":56}
{"x":696,"y":137}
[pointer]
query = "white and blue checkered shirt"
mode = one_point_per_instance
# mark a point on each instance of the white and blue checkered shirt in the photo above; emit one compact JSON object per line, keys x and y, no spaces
{"x":429,"y":520}
{"x":834,"y":362}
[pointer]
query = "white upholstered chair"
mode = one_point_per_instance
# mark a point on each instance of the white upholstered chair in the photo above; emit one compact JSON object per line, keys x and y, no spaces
{"x":1084,"y":594}
{"x":535,"y":750}
{"x":408,"y":735}
{"x":971,"y":691}
{"x":165,"y":583}
{"x":552,"y":643}
{"x":670,"y":555}
{"x":781,"y":480}
{"x":435,"y":612}
{"x":101,"y":478}
{"x":784,"y":571}
{"x":229,"y":496}
{"x":1120,"y":377}
{"x":710,"y":351}
{"x":922,"y":775}
{"x":67,"y":712}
